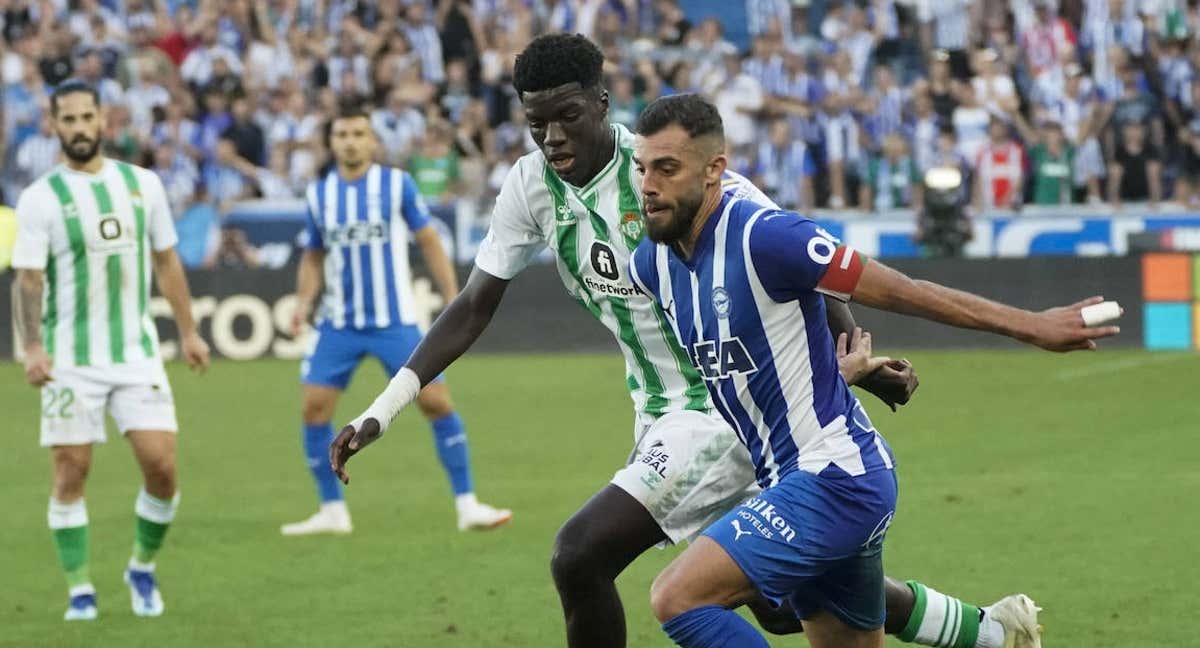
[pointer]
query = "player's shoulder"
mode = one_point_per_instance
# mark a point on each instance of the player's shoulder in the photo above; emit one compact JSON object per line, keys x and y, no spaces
{"x":38,"y":192}
{"x":738,"y":186}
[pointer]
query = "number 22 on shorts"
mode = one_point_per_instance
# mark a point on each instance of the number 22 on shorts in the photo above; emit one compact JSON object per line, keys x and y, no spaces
{"x":57,"y":402}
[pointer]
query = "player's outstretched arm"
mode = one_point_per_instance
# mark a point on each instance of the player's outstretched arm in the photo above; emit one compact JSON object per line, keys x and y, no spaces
{"x":454,"y":331}
{"x":172,"y":283}
{"x":1056,"y":329}
{"x":891,"y":381}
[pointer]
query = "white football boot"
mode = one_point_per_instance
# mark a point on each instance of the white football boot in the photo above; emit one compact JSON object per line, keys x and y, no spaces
{"x":333,"y":517}
{"x":1019,"y":616}
{"x":474,"y":515}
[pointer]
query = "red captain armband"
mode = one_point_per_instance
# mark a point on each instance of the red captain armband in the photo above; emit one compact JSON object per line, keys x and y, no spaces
{"x":844,"y":271}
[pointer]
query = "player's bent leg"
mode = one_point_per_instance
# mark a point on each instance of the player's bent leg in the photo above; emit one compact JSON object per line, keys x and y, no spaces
{"x":155,"y":509}
{"x":595,"y":545}
{"x":694,"y":596}
{"x":825,"y":630}
{"x":68,"y":521}
{"x":319,"y":402}
{"x":450,"y":439}
{"x":899,"y":599}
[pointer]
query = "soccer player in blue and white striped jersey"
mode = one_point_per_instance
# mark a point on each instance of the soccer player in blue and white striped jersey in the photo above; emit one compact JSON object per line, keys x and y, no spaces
{"x":741,"y":284}
{"x":362,"y":217}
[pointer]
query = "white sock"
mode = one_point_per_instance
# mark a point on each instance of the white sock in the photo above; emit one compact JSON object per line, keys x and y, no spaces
{"x":140,"y":566}
{"x":991,"y":633}
{"x":337,"y":507}
{"x":464,"y":502}
{"x":61,"y":515}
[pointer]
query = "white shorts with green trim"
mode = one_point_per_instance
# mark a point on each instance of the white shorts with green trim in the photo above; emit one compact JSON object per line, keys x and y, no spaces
{"x":688,"y":469}
{"x":137,"y":395}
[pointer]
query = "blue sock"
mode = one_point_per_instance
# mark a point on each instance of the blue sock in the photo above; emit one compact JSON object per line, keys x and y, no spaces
{"x":713,"y":626}
{"x":450,"y":437}
{"x":316,"y":449}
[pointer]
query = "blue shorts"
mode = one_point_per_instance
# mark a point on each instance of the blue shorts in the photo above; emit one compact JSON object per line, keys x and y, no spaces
{"x":336,"y":353}
{"x":816,"y":542}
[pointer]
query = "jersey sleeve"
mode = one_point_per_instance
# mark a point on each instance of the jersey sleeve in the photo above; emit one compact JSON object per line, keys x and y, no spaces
{"x":412,"y":205}
{"x":514,"y":238}
{"x":160,"y":227}
{"x":32,"y":246}
{"x":313,"y":239}
{"x":792,"y":256}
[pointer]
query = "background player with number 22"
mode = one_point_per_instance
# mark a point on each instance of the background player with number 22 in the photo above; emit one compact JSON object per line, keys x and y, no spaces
{"x":88,"y":234}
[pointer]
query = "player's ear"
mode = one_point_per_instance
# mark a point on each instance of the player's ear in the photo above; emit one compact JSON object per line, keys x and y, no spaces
{"x":716,"y":169}
{"x":602,"y":99}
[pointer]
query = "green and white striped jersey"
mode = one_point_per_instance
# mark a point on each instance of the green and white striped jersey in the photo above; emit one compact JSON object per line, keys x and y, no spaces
{"x":592,"y":230}
{"x":92,"y":234}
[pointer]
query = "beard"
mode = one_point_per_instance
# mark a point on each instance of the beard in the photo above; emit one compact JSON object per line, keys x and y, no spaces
{"x":683,"y":215}
{"x":81,"y":149}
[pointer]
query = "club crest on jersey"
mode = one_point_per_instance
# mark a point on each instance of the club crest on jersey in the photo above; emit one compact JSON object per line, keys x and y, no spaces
{"x":718,"y":360}
{"x":631,"y":226}
{"x":604,"y":261}
{"x":563,"y":215}
{"x":721,"y":302}
{"x":110,"y":229}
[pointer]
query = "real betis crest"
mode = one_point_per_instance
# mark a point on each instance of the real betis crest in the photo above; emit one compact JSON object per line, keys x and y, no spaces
{"x":631,"y":226}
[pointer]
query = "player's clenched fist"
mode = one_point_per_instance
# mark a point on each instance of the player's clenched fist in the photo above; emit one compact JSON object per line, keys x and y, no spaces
{"x":37,"y":366}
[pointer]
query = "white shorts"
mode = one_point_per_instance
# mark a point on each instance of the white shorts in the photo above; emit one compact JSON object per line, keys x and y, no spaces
{"x":137,"y":395}
{"x":688,"y":469}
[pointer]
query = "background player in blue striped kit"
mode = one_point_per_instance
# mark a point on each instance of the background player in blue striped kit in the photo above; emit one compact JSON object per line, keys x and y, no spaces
{"x":362,"y":217}
{"x":740,"y":283}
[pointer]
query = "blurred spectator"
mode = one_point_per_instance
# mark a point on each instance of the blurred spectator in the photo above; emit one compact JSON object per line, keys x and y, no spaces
{"x":38,"y":153}
{"x":892,"y":179}
{"x":215,"y":122}
{"x":623,"y":105}
{"x":1046,"y":39}
{"x":946,"y":25}
{"x":198,"y":67}
{"x":423,"y":35}
{"x":247,"y":136}
{"x":398,"y":124}
{"x":1135,"y":173}
{"x":224,"y":183}
{"x":435,"y":166}
{"x":971,"y":121}
{"x":1051,"y":162}
{"x":90,"y":69}
{"x":924,"y":129}
{"x":785,"y":168}
{"x":991,"y":85}
{"x":999,"y":169}
{"x":738,"y":97}
{"x":179,"y":174}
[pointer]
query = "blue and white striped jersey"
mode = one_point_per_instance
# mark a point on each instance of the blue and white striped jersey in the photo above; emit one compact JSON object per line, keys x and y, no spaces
{"x":746,"y":309}
{"x":365,"y":228}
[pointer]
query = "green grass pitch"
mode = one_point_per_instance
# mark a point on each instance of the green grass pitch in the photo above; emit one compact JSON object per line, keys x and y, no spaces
{"x":1072,"y":478}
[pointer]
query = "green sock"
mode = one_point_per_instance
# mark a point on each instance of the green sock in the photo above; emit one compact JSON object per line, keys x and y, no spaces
{"x":69,"y":528}
{"x":154,"y":517}
{"x":940,"y":620}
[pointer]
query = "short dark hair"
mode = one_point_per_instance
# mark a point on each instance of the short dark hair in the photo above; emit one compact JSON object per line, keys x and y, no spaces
{"x":349,"y":109}
{"x":553,"y":60}
{"x":68,"y":87}
{"x":693,"y":113}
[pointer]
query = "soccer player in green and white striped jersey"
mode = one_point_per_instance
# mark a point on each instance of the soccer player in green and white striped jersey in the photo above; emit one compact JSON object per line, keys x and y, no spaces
{"x":89,"y":234}
{"x":579,"y":195}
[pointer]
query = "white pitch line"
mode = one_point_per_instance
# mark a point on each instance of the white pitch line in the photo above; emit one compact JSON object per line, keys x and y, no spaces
{"x":1102,"y":368}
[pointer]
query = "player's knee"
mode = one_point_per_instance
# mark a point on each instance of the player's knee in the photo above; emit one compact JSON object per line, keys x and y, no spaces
{"x":667,"y":600}
{"x":573,"y":562}
{"x":70,"y":475}
{"x":435,"y":407}
{"x":317,"y":411}
{"x":160,"y":476}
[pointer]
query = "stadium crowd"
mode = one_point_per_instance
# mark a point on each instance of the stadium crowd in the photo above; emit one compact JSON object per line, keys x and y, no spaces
{"x":828,"y":104}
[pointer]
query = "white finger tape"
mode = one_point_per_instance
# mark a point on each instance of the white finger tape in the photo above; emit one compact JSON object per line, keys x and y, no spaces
{"x":1100,"y":313}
